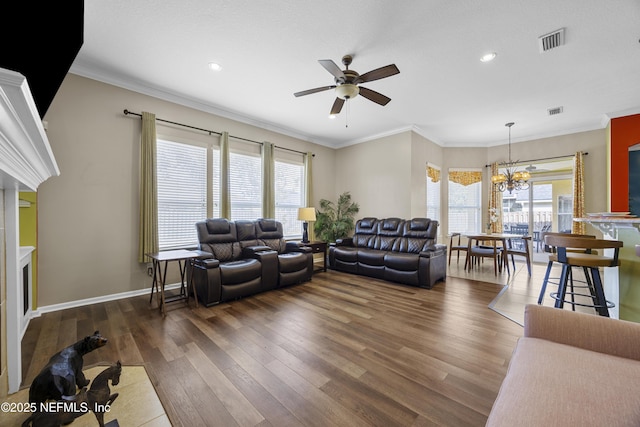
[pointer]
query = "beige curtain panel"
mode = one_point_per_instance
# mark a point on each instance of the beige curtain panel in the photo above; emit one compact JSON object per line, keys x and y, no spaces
{"x":148,"y":233}
{"x":225,"y":197}
{"x":308,"y":190}
{"x":268,"y":184}
{"x":578,"y":194}
{"x":495,"y":203}
{"x":465,"y":177}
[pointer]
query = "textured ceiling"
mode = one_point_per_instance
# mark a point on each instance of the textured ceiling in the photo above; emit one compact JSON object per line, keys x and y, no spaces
{"x":269,"y":50}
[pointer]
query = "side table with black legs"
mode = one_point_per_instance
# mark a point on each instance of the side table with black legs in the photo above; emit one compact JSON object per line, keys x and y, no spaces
{"x":318,"y":247}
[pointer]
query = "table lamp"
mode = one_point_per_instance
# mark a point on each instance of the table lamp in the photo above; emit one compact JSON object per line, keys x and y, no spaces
{"x":306,"y":215}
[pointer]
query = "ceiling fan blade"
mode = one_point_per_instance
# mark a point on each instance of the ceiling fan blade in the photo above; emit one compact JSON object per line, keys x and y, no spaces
{"x":374,"y":96}
{"x":337,"y":106}
{"x":331,"y":67}
{"x":379,"y":73}
{"x":310,"y":91}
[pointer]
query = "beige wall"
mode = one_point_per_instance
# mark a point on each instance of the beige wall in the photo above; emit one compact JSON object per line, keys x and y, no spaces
{"x":88,"y":216}
{"x":387,"y":176}
{"x":595,"y":163}
{"x":378,"y":176}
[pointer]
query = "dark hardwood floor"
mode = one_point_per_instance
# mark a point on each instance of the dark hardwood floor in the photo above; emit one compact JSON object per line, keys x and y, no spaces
{"x":340,"y":350}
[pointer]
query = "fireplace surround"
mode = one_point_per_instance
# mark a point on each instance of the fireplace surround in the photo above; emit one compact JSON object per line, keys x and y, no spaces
{"x":26,"y":161}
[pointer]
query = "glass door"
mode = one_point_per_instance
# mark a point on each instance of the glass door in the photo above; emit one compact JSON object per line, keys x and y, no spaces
{"x":546,"y":205}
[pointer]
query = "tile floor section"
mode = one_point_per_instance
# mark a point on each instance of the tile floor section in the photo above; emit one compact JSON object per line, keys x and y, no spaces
{"x":519,"y":289}
{"x":137,"y":404}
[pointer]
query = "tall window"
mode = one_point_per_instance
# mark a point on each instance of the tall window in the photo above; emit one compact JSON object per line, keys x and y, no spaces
{"x":182,"y":193}
{"x":289,"y":193}
{"x":245,"y":185}
{"x":465,"y":201}
{"x":433,"y":193}
{"x":189,"y":188}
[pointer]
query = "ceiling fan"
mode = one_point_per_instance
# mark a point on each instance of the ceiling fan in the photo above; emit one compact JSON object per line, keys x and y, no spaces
{"x":348,"y":81}
{"x":533,"y":169}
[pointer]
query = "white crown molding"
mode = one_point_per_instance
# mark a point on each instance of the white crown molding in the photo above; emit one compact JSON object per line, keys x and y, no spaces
{"x":26,"y":159}
{"x":89,"y":72}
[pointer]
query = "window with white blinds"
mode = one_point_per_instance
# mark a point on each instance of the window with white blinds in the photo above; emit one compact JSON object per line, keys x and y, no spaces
{"x":433,"y":197}
{"x":245,"y":185}
{"x":465,"y":203}
{"x":189,"y":188}
{"x":289,"y":195}
{"x":182,"y":193}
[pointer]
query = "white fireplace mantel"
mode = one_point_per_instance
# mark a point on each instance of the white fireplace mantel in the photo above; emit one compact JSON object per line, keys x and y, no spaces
{"x":26,"y":161}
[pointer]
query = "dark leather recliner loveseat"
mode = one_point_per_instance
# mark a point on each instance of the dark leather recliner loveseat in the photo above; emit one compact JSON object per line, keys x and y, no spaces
{"x":393,"y":249}
{"x":247,"y":257}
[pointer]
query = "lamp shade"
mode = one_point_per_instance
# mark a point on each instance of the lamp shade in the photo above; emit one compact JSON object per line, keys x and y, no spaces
{"x":307,"y":214}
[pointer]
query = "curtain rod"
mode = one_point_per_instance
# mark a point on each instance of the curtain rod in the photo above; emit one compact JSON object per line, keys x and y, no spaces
{"x":585,"y":153}
{"x":127,"y":112}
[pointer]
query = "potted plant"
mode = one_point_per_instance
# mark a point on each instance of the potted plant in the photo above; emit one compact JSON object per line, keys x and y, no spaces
{"x":335,"y":221}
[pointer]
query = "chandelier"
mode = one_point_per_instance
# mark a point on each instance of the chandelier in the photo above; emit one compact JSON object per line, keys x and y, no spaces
{"x":512,"y":179}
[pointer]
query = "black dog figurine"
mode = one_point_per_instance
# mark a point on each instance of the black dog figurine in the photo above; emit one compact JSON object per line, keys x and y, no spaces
{"x":99,"y":395}
{"x":59,"y":378}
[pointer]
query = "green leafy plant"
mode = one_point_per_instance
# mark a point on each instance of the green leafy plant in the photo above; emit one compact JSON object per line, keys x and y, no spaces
{"x":335,"y":220}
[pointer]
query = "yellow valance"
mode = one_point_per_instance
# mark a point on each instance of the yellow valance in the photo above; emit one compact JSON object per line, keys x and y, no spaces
{"x":433,"y":174}
{"x":465,"y":177}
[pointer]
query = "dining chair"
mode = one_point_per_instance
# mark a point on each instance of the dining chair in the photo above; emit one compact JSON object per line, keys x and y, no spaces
{"x":553,"y":258}
{"x":576,"y":252}
{"x":521,"y":249}
{"x":478,"y":252}
{"x":456,"y":246}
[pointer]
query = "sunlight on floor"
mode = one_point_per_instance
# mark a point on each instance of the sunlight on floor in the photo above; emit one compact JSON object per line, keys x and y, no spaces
{"x":137,"y":403}
{"x":520,"y":289}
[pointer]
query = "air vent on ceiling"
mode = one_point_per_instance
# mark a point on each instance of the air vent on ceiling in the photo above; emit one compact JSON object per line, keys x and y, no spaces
{"x":551,"y":40}
{"x":554,"y":111}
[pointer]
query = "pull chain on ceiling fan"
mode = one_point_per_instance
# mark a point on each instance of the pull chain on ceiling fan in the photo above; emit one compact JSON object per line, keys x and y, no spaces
{"x":347,"y":83}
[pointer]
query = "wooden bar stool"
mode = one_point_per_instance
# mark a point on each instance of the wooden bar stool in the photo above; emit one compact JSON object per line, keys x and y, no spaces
{"x":553,"y":257}
{"x":591,"y":262}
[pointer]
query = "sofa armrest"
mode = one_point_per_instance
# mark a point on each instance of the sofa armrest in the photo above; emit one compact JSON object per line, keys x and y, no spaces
{"x":596,"y":333}
{"x":347,"y":241}
{"x":435,"y":250}
{"x":207,"y":263}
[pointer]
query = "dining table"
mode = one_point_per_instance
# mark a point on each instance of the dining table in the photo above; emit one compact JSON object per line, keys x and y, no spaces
{"x":490,"y":237}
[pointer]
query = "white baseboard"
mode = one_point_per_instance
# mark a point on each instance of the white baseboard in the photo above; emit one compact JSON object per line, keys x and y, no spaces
{"x":88,"y":301}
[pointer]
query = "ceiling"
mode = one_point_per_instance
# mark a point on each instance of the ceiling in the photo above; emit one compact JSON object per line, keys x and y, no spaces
{"x":270,"y":49}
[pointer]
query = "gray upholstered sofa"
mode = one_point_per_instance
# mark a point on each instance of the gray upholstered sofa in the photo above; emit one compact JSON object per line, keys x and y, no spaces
{"x":393,"y":249}
{"x":247,"y":257}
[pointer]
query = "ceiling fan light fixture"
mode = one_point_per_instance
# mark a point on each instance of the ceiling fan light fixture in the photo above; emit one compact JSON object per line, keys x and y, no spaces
{"x":487,"y":57}
{"x":214,"y":66}
{"x":347,"y":91}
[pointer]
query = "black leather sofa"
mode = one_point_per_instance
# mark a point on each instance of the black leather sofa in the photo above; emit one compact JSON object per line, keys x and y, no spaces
{"x":248,"y":257}
{"x":394,"y":249}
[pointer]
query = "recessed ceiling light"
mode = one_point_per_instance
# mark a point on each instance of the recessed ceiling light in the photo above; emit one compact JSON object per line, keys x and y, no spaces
{"x":215,"y":66}
{"x":488,"y":57}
